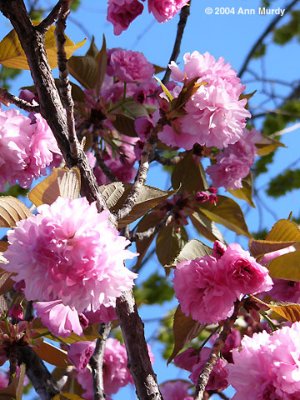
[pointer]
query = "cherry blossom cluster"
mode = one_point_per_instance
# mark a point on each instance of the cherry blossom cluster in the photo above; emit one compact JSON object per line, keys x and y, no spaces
{"x":71,"y":260}
{"x":27,"y":148}
{"x":215,"y":116}
{"x":122,"y":12}
{"x":267,"y":365}
{"x":215,"y":282}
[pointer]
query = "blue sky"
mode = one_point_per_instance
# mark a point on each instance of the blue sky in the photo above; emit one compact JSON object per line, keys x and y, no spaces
{"x":229,"y":36}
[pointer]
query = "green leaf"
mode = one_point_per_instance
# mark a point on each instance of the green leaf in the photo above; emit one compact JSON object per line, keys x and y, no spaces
{"x":12,"y":54}
{"x":184,"y":330}
{"x":115,"y":195}
{"x":148,"y":221}
{"x":189,"y":174}
{"x":124,"y":125}
{"x":228,"y":213}
{"x":245,"y":193}
{"x":155,"y":290}
{"x":101,"y":59}
{"x":286,"y":266}
{"x":84,"y":69}
{"x":191,"y":250}
{"x":169,"y":242}
{"x":62,"y":182}
{"x":267,"y":145}
{"x":283,"y":183}
{"x":206,"y":227}
{"x":130,"y":108}
{"x":12,"y":210}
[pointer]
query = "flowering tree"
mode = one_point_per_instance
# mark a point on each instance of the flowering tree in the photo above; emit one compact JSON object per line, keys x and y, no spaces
{"x":67,"y":297}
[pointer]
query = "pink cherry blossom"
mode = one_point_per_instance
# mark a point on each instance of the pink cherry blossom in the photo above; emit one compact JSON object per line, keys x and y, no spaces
{"x":122,"y":12}
{"x":80,"y":353}
{"x":234,"y":163}
{"x":102,"y":315}
{"x":61,"y":320}
{"x":129,"y":66}
{"x":164,"y":10}
{"x":242,"y":273}
{"x":72,"y":253}
{"x":267,"y":366}
{"x":194,"y":361}
{"x":175,"y":390}
{"x":4,"y":381}
{"x":27,"y":148}
{"x":199,"y":287}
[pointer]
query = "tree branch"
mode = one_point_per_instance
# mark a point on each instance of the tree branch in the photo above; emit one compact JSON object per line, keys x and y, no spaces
{"x":139,"y":361}
{"x":32,"y":41}
{"x":6,"y":98}
{"x":38,"y":374}
{"x":64,"y":83}
{"x":96,"y":362}
{"x":265,"y":33}
{"x":184,"y":14}
{"x":214,"y":355}
{"x":50,"y":19}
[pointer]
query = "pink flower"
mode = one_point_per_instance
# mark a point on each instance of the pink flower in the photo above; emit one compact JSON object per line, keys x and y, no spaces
{"x":102,"y":315}
{"x":115,"y":371}
{"x":267,"y":366}
{"x":242,"y":273}
{"x":4,"y":381}
{"x":122,"y":12}
{"x":26,"y":147}
{"x":214,"y":115}
{"x":208,"y":299}
{"x":61,"y":320}
{"x":129,"y":66}
{"x":234,"y":163}
{"x":164,"y":10}
{"x":175,"y":390}
{"x":194,"y":361}
{"x":72,"y":253}
{"x":80,"y":353}
{"x":207,"y":69}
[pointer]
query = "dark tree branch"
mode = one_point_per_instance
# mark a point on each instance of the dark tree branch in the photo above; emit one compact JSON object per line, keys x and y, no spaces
{"x":51,"y":108}
{"x":184,"y":14}
{"x":96,"y":362}
{"x":138,"y":357}
{"x":64,"y":83}
{"x":265,"y":33}
{"x":38,"y":374}
{"x":214,"y":355}
{"x":50,"y":19}
{"x":6,"y":98}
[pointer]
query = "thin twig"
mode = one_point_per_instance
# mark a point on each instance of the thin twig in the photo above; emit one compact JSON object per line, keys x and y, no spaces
{"x":50,"y":19}
{"x":184,"y":14}
{"x":139,"y":179}
{"x":64,"y":83}
{"x":96,"y":362}
{"x":6,"y":98}
{"x":214,"y":355}
{"x":265,"y":33}
{"x":107,"y":171}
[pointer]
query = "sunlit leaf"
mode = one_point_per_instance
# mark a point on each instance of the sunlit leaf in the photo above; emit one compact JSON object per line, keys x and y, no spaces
{"x":289,"y":311}
{"x":191,"y":250}
{"x":12,"y":210}
{"x":284,"y":230}
{"x":286,"y":266}
{"x":51,"y":354}
{"x":228,"y":213}
{"x":206,"y":227}
{"x":261,"y":247}
{"x":62,"y":182}
{"x":166,"y":91}
{"x":245,"y":192}
{"x":12,"y":54}
{"x":184,"y":329}
{"x":267,"y":145}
